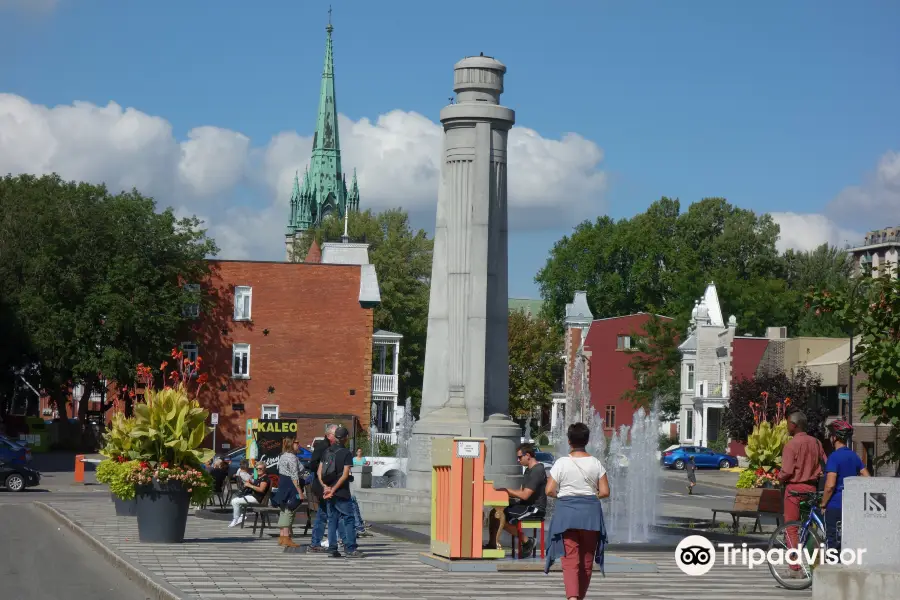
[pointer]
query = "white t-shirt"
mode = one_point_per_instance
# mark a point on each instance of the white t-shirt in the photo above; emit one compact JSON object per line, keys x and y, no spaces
{"x":572,"y":475}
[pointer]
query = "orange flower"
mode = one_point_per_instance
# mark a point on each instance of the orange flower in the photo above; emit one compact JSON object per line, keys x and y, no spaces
{"x":764,"y":395}
{"x":202,"y":379}
{"x":163,"y":365}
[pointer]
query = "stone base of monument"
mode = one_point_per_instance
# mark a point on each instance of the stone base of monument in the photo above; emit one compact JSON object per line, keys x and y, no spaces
{"x":394,"y":505}
{"x":844,"y":582}
{"x":612,"y":564}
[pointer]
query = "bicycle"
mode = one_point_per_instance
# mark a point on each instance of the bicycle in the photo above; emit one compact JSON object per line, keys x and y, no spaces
{"x":810,"y":535}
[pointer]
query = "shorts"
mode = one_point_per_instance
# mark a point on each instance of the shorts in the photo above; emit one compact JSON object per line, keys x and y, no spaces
{"x":522,"y":512}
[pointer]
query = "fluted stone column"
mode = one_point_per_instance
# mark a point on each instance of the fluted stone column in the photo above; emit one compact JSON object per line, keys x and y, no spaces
{"x":466,"y":382}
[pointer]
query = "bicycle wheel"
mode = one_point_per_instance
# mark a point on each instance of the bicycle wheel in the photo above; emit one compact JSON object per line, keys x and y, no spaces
{"x":809,"y":539}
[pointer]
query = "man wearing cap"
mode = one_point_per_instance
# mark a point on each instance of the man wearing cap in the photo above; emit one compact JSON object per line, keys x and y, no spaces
{"x":334,"y":475}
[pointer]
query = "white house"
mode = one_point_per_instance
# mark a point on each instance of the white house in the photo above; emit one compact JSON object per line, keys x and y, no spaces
{"x":705,"y":371}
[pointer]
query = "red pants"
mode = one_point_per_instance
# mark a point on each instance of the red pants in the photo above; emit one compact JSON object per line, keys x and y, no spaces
{"x":792,"y":512}
{"x":578,"y":563}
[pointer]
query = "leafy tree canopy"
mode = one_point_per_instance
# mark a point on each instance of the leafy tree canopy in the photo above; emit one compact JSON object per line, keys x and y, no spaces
{"x":402,"y":259}
{"x":656,"y":366}
{"x":535,"y":361}
{"x":94,"y":280}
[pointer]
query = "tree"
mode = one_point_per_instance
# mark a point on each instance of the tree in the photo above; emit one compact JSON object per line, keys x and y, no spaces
{"x":656,"y":365}
{"x":96,"y":279}
{"x":801,"y":387}
{"x":661,"y":261}
{"x":825,"y":268}
{"x":402,"y":259}
{"x":871,"y":308}
{"x":535,"y":349}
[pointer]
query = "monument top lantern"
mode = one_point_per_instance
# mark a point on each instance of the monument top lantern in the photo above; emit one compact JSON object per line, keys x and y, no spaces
{"x":478,"y":79}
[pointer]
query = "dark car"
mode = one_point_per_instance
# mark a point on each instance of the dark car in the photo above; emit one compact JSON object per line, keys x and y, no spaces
{"x":14,"y":452}
{"x":16,"y":478}
{"x":703,"y":457}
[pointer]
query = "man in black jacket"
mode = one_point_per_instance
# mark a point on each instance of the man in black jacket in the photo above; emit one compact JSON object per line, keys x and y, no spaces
{"x":318,"y":530}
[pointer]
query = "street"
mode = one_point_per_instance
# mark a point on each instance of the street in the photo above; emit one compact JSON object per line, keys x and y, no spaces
{"x":42,"y":560}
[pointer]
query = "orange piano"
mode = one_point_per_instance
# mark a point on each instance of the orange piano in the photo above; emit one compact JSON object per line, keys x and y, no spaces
{"x":459,"y":495}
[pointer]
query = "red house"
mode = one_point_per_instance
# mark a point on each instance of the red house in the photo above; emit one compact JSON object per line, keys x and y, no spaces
{"x":603,"y":348}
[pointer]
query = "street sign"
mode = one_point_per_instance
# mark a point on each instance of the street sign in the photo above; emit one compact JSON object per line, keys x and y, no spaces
{"x":215,"y":418}
{"x":844,"y":396}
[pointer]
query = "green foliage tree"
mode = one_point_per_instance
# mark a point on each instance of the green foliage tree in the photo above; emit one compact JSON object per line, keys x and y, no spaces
{"x":95,"y":280}
{"x":871,"y":308}
{"x":402,"y":259}
{"x":656,"y":365}
{"x":825,"y":268}
{"x":535,"y":349}
{"x":802,"y":387}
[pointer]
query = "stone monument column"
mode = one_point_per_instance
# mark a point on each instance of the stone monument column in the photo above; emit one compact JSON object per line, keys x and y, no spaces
{"x":466,"y":381}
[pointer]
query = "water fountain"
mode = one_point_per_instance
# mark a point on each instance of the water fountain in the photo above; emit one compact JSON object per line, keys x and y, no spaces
{"x":528,"y":430}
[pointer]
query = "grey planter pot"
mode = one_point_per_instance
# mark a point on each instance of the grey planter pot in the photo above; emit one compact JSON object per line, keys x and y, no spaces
{"x":124,"y":508}
{"x":162,"y":511}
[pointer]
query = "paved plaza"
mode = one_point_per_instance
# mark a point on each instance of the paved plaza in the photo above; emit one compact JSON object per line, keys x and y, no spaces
{"x":217,"y":562}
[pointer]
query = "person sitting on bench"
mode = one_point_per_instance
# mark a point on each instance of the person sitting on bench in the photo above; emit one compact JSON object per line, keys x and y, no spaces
{"x":527,"y":503}
{"x":251,"y":495}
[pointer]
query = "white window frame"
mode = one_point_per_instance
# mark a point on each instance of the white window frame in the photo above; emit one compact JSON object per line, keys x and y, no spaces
{"x":689,"y":377}
{"x":269,"y":408}
{"x":242,"y":293}
{"x":191,"y":351}
{"x":191,"y":310}
{"x":240,"y":348}
{"x":623,"y":342}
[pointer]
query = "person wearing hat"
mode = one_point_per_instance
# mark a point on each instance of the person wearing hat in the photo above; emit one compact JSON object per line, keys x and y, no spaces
{"x":334,"y":475}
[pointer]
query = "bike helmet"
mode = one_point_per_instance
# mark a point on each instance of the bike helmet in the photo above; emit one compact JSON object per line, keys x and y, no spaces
{"x":841,"y":430}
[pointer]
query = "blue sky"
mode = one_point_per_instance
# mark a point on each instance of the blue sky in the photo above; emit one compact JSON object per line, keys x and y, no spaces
{"x":779,"y":107}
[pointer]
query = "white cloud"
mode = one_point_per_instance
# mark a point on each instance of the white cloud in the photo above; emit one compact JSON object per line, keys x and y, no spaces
{"x":552,"y":183}
{"x":809,"y":231}
{"x":876,"y":202}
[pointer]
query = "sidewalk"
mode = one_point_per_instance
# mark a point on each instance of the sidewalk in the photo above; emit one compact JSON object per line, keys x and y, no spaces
{"x":216,"y":562}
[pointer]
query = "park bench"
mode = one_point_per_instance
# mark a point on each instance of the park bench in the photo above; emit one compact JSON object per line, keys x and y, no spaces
{"x":754,"y":503}
{"x":264,"y":510}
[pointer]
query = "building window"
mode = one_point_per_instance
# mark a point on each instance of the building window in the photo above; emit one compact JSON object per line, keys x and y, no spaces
{"x":269,"y":412}
{"x":690,"y":378}
{"x":191,"y":309}
{"x":623,"y":342}
{"x":610,"y":421}
{"x":190,"y":351}
{"x":242,"y":298}
{"x":689,"y":425}
{"x":240,"y":361}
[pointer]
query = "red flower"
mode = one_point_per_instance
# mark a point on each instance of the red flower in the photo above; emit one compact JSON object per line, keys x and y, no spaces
{"x":163,"y":365}
{"x":164,"y":465}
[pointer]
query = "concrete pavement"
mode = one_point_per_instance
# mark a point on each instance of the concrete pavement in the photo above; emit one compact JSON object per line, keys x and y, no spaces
{"x":41,"y":560}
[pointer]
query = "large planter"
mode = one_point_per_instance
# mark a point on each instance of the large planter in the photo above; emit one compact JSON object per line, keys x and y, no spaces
{"x":162,"y":511}
{"x":124,"y":508}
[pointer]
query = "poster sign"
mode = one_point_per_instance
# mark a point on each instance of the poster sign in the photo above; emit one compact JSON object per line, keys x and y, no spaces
{"x":215,"y":418}
{"x":467,"y":449}
{"x":269,"y":434}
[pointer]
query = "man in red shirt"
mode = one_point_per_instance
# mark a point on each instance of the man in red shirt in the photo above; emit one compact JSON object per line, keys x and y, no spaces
{"x":801,"y":468}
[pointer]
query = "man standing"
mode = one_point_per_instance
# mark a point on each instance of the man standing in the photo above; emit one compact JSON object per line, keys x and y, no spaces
{"x":334,"y":475}
{"x":318,"y":530}
{"x":529,"y":502}
{"x":801,"y":467}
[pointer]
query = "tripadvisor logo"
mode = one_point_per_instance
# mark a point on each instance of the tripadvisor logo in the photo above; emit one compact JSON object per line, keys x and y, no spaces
{"x":696,"y":555}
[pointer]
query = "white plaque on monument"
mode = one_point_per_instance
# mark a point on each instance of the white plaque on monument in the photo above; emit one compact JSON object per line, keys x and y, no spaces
{"x":468,"y":449}
{"x":871,"y":518}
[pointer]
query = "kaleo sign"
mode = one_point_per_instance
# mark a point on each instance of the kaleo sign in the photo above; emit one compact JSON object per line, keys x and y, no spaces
{"x":269,"y":435}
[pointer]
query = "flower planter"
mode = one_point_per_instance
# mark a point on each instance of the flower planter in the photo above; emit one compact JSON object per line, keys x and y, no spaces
{"x":124,"y":508}
{"x":162,"y":511}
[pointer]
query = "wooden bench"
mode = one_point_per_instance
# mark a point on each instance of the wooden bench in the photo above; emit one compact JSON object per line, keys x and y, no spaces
{"x":754,"y":503}
{"x":263,"y":511}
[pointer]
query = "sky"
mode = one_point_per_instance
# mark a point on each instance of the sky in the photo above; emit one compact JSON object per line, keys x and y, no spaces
{"x":785,"y":108}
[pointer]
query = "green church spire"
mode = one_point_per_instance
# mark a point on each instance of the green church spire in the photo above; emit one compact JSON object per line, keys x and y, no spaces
{"x":324,"y":190}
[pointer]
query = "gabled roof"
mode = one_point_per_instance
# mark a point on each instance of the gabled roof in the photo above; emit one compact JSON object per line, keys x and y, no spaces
{"x":689,"y":345}
{"x":315,"y":254}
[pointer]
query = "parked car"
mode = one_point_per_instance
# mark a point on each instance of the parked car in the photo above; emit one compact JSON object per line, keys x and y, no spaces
{"x":14,"y":452}
{"x":17,"y":477}
{"x":233,"y":459}
{"x":703,"y":457}
{"x":546,"y":458}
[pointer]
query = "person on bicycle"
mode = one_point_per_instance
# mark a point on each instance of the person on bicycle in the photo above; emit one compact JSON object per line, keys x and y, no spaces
{"x":842,"y":463}
{"x":801,"y":467}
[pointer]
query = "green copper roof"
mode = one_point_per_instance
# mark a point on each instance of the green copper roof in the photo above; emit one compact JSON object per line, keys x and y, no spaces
{"x":324,"y":190}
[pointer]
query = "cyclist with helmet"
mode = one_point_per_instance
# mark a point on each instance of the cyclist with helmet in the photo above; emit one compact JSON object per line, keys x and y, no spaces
{"x":842,"y":463}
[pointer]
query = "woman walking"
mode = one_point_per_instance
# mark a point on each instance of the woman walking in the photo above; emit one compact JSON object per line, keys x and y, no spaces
{"x":288,"y":496}
{"x":577,"y":533}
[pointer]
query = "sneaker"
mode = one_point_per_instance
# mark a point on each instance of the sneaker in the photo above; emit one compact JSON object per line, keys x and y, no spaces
{"x":364,"y":533}
{"x":528,"y":547}
{"x":355,"y":554}
{"x":311,"y":549}
{"x":325,"y":543}
{"x":233,"y":523}
{"x":335,"y":554}
{"x":237,"y":521}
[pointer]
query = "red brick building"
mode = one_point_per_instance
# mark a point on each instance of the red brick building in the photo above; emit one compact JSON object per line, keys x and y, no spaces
{"x":285,"y":340}
{"x":604,"y":346}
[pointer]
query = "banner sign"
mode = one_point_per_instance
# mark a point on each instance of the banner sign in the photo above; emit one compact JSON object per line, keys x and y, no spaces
{"x":269,"y":434}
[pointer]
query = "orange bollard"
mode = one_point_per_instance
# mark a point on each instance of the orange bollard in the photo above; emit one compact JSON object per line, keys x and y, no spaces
{"x":79,"y":468}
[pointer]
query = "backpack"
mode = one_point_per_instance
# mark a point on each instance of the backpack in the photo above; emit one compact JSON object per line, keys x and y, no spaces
{"x":330,"y":469}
